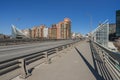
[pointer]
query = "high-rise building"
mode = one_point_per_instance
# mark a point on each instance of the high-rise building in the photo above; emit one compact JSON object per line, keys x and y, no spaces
{"x":112,"y":31}
{"x":64,"y":29}
{"x":118,"y":23}
{"x":59,"y":30}
{"x":54,"y":31}
{"x":45,"y":32}
{"x":67,"y":27}
{"x":37,"y":31}
{"x":49,"y":33}
{"x":42,"y":30}
{"x":112,"y":28}
{"x":33,"y":32}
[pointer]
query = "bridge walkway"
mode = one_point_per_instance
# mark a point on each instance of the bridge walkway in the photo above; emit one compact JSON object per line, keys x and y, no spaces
{"x":75,"y":64}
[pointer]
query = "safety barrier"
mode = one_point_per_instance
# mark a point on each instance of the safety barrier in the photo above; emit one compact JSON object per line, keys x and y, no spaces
{"x":109,"y":58}
{"x":23,"y":65}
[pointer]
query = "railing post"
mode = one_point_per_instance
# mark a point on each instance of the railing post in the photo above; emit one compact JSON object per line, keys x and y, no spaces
{"x":98,"y":49}
{"x":68,"y":47}
{"x":24,"y":72}
{"x":103,"y":56}
{"x":71,"y":46}
{"x":57,"y":52}
{"x":63,"y":49}
{"x":47,"y":61}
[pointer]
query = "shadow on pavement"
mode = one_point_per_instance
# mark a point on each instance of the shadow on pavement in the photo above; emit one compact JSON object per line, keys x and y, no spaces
{"x":94,"y":71}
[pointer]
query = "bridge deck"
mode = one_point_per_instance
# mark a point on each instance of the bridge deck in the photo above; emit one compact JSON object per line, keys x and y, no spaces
{"x":76,"y":64}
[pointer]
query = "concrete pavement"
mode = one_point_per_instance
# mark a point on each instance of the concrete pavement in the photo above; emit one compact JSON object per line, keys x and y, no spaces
{"x":76,"y":64}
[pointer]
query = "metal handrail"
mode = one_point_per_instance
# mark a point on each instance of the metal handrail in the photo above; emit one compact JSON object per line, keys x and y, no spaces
{"x":111,"y":58}
{"x":115,"y":56}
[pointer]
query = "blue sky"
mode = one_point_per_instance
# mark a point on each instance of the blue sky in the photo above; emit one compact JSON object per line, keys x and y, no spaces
{"x":28,"y":13}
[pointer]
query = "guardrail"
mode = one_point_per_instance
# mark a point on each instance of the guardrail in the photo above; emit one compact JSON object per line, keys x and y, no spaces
{"x":111,"y":59}
{"x":23,"y":65}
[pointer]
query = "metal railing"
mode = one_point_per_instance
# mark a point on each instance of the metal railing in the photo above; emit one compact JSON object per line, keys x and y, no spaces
{"x":23,"y":65}
{"x":111,"y":59}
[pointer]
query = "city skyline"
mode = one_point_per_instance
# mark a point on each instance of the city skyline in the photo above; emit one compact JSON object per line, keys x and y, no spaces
{"x":61,"y":30}
{"x":83,"y":14}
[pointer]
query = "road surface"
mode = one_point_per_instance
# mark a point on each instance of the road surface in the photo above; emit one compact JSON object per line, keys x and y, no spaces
{"x":12,"y":51}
